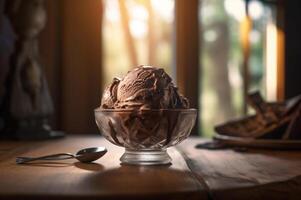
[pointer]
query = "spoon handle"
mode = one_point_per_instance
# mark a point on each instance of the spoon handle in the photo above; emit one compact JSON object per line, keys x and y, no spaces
{"x":59,"y":156}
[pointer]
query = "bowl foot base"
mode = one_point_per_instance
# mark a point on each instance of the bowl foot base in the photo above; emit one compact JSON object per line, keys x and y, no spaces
{"x":145,"y":157}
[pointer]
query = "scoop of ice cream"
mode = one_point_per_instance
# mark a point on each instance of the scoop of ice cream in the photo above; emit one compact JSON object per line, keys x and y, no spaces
{"x":144,"y":87}
{"x":109,"y":96}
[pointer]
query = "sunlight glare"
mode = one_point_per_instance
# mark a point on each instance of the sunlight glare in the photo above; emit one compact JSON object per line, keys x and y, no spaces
{"x":111,"y":11}
{"x":236,"y":8}
{"x":138,"y":12}
{"x":256,"y":10}
{"x":271,"y":61}
{"x":138,"y":28}
{"x":164,"y":9}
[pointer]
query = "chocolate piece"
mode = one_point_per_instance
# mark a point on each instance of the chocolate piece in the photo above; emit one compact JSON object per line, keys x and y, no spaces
{"x":279,"y":120}
{"x":264,"y":111}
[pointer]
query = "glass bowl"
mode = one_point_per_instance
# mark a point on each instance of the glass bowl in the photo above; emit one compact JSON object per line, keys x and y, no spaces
{"x":145,"y":134}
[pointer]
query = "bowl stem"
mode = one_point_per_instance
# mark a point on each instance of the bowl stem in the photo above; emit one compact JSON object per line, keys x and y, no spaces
{"x":145,"y":157}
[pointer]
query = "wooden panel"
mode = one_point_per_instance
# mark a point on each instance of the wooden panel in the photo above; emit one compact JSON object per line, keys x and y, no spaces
{"x":104,"y":179}
{"x":187,"y":50}
{"x":292,"y":24}
{"x":255,"y":174}
{"x":70,"y":48}
{"x":81,"y":62}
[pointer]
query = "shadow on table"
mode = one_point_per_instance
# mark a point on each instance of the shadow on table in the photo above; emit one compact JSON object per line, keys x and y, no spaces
{"x":89,"y":166}
{"x":47,"y":164}
{"x":285,"y":155}
{"x":286,"y":189}
{"x":85,"y":166}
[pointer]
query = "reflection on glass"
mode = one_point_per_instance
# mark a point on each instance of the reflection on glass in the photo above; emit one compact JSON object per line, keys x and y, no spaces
{"x":136,"y":32}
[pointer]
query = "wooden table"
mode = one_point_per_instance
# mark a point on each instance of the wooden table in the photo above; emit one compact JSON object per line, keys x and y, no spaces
{"x":194,"y":173}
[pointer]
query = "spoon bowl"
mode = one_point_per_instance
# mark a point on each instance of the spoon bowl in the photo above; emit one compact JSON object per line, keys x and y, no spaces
{"x":90,"y":154}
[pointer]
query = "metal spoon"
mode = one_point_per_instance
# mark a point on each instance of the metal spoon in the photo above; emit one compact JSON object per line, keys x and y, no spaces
{"x":84,"y":155}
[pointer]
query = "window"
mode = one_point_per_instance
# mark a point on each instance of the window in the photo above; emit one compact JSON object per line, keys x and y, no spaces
{"x":137,"y":32}
{"x":234,"y":58}
{"x":235,"y":48}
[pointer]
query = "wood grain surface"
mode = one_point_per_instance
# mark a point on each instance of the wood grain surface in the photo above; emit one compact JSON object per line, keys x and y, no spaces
{"x":194,"y":173}
{"x":104,"y":179}
{"x":254,"y":174}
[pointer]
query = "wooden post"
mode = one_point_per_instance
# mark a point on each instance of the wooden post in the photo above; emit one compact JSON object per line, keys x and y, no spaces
{"x":81,"y":64}
{"x":187,"y":51}
{"x":280,"y":52}
{"x":245,"y":29}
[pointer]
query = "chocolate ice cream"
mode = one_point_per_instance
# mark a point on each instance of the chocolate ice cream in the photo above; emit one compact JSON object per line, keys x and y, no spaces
{"x":144,"y":112}
{"x":109,"y":96}
{"x":144,"y":87}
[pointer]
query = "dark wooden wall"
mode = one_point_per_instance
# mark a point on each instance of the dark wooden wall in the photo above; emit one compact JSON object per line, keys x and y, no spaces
{"x":71,"y":51}
{"x":292,"y":27}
